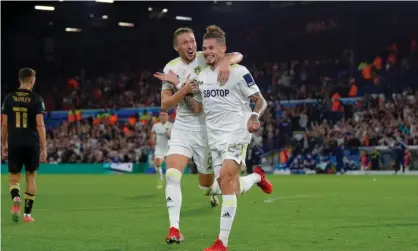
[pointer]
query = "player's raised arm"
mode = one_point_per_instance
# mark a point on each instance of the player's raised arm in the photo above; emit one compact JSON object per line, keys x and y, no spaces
{"x":40,"y":127}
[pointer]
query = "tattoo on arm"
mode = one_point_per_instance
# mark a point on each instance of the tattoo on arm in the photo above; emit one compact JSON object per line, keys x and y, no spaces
{"x":192,"y":103}
{"x":260,"y":103}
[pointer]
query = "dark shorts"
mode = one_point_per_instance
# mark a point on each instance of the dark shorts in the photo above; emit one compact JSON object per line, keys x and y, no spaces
{"x":27,"y":156}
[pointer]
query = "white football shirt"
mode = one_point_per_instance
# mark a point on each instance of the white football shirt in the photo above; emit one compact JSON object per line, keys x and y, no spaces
{"x":160,"y":131}
{"x":186,"y":119}
{"x":226,"y":107}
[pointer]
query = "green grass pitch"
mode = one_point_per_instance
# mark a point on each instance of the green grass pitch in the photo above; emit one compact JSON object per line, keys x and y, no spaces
{"x":304,"y":213}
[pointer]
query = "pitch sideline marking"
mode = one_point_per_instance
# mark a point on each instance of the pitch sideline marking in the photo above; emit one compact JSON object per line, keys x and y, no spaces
{"x":271,"y":200}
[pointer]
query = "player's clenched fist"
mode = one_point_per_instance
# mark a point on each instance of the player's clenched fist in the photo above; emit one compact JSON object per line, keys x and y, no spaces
{"x":253,"y":123}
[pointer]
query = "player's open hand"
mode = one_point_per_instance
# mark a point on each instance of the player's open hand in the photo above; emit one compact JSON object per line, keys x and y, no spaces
{"x":42,"y":157}
{"x":224,"y":71}
{"x":253,"y":124}
{"x":169,"y":77}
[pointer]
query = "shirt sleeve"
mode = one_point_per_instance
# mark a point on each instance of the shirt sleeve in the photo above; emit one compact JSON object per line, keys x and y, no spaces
{"x":246,"y":83}
{"x":40,"y":106}
{"x":166,"y":85}
{"x":5,"y":108}
{"x":153,"y":130}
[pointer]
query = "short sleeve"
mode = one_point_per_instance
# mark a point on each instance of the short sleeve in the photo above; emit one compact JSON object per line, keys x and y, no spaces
{"x":154,"y":130}
{"x":40,"y":106}
{"x":166,"y":85}
{"x":5,"y":108}
{"x":246,"y":82}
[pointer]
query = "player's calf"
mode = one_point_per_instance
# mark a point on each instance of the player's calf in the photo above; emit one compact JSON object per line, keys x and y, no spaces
{"x":228,"y":181}
{"x":14,"y":188}
{"x":29,"y":195}
{"x":159,"y":172}
{"x":175,"y":167}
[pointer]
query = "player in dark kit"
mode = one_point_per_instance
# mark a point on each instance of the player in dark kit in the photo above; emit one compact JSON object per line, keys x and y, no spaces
{"x":23,"y":139}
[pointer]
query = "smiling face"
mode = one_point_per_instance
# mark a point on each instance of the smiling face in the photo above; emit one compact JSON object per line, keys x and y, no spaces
{"x":185,"y":45}
{"x":213,"y":51}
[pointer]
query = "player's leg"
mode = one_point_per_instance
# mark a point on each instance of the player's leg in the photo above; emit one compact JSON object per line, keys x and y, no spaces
{"x":159,"y":171}
{"x":15,"y":166}
{"x":176,"y":164}
{"x":29,"y":195}
{"x":178,"y":155}
{"x":229,"y":183}
{"x":210,"y":187}
{"x":203,"y":160}
{"x":31,"y":166}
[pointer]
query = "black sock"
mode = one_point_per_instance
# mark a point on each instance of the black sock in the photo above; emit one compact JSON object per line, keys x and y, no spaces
{"x":14,"y":190}
{"x":29,"y":199}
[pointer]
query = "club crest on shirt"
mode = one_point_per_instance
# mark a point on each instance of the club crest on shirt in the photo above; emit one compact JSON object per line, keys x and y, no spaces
{"x":197,"y":70}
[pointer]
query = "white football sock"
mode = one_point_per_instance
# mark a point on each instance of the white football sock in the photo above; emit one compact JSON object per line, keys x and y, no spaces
{"x":159,"y":172}
{"x":212,"y":190}
{"x":246,"y":182}
{"x":173,"y":196}
{"x":229,"y":208}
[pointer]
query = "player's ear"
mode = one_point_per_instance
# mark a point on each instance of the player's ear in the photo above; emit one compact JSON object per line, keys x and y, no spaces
{"x":175,"y":48}
{"x":223,"y":48}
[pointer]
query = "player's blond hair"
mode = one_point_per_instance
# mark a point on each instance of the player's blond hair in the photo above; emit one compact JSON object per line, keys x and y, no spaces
{"x":180,"y":31}
{"x":213,"y":31}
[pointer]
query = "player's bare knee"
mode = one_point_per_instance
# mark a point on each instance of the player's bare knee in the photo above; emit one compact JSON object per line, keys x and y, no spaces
{"x":226,"y":180}
{"x":176,"y":161}
{"x":206,"y":180}
{"x":158,"y":162}
{"x":14,"y":178}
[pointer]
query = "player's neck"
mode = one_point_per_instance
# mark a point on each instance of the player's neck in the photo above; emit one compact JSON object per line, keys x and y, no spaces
{"x":216,"y":64}
{"x":186,"y":60}
{"x":25,"y":87}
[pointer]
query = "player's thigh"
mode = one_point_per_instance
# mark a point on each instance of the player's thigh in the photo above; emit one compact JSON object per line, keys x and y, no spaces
{"x":179,"y":150}
{"x":32,"y":160}
{"x":177,"y":161}
{"x":201,"y":152}
{"x":234,"y":152}
{"x":16,"y":157}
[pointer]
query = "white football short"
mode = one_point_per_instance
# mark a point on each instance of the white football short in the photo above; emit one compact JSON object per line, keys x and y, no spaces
{"x":160,"y":152}
{"x":232,"y":151}
{"x":191,"y":145}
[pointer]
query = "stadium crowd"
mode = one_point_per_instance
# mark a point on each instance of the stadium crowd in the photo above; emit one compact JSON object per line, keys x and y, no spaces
{"x":371,"y":120}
